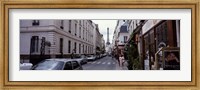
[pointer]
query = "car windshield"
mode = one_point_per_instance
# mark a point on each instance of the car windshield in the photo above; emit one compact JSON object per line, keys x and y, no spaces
{"x":49,"y":65}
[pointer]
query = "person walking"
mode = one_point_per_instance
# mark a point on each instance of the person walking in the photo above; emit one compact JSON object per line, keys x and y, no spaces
{"x":121,"y":60}
{"x":117,"y":57}
{"x":72,"y":55}
{"x":112,"y":55}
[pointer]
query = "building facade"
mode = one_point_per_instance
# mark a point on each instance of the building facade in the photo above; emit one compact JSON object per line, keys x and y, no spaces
{"x":147,"y":36}
{"x":159,"y":34}
{"x":115,"y":40}
{"x":98,"y":40}
{"x":56,"y":38}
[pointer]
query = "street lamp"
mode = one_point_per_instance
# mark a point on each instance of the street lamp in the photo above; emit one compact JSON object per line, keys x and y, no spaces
{"x":117,"y":49}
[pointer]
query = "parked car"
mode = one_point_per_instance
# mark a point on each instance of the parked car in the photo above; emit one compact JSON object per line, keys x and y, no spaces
{"x":97,"y":56}
{"x":25,"y":66}
{"x":91,"y":57}
{"x":58,"y":64}
{"x":101,"y":55}
{"x":82,"y":60}
{"x":104,"y":55}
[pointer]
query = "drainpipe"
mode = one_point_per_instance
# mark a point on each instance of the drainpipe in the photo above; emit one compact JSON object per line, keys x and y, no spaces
{"x":178,"y":32}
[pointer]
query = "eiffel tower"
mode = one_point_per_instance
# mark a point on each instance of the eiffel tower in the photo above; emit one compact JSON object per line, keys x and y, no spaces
{"x":108,"y":42}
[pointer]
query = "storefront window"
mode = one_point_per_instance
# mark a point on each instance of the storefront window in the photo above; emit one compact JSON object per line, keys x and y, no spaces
{"x":152,"y":45}
{"x":161,"y":34}
{"x":146,"y":44}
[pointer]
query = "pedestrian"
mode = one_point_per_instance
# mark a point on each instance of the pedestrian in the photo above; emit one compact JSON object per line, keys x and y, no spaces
{"x":118,"y":55}
{"x":121,"y":60}
{"x":112,"y":55}
{"x":72,"y":55}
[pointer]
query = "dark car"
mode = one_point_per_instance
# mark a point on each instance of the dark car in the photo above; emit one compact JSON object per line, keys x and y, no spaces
{"x":58,"y":64}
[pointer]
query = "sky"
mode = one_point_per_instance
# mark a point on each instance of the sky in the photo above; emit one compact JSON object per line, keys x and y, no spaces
{"x":103,"y":25}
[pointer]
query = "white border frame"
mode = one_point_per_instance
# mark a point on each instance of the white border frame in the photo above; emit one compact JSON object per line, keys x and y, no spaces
{"x":101,"y":75}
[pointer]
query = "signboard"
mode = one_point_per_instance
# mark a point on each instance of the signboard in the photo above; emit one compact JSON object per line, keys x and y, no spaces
{"x":149,"y":24}
{"x":171,"y":59}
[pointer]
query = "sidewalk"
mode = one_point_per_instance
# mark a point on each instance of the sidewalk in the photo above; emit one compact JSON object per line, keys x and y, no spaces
{"x":124,"y":67}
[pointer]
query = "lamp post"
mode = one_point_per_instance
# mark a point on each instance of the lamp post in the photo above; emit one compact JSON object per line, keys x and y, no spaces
{"x":117,"y":49}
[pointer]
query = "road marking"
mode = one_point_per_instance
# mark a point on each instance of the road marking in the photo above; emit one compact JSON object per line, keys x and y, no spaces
{"x":108,"y":63}
{"x":98,"y":62}
{"x":93,"y":62}
{"x":104,"y":63}
{"x":89,"y":62}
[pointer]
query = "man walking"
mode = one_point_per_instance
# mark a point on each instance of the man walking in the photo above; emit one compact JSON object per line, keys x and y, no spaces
{"x":72,"y":55}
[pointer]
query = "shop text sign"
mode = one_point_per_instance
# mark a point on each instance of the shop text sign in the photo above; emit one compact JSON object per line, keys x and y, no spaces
{"x":148,"y":25}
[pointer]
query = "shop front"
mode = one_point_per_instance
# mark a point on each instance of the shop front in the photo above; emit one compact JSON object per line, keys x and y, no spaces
{"x":158,"y":34}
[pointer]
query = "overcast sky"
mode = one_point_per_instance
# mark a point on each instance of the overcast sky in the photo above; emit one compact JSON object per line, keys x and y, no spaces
{"x":103,"y":25}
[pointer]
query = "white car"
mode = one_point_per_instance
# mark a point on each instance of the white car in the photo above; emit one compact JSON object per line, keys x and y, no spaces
{"x":82,"y":60}
{"x":58,"y":64}
{"x":25,"y":66}
{"x":91,"y":58}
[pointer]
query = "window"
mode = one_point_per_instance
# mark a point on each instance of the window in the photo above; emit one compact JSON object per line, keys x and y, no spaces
{"x":70,"y":26}
{"x":88,"y":49}
{"x":75,"y":64}
{"x":161,"y":33}
{"x":125,"y":39}
{"x":79,"y":48}
{"x":79,"y":21}
{"x":35,"y":23}
{"x":42,"y":47}
{"x":80,"y":32}
{"x":151,"y":45}
{"x":69,"y":46}
{"x":164,"y":27}
{"x":62,"y":24}
{"x":83,"y":49}
{"x":59,"y":66}
{"x":146,"y":44}
{"x":75,"y":47}
{"x":61,"y":45}
{"x":75,"y":29}
{"x":68,"y":66}
{"x":83,"y":34}
{"x":49,"y":65}
{"x":86,"y":35}
{"x":86,"y":25}
{"x":34,"y":44}
{"x":83,"y":24}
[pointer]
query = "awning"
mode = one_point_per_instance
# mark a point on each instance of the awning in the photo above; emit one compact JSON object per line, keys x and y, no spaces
{"x":136,"y":30}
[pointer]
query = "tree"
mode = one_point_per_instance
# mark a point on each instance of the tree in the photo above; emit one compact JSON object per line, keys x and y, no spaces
{"x":133,"y":56}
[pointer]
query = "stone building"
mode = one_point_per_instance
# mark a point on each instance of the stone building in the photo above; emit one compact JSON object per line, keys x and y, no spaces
{"x":41,"y":39}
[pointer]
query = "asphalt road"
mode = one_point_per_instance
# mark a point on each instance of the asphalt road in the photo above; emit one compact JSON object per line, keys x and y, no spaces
{"x":105,"y":63}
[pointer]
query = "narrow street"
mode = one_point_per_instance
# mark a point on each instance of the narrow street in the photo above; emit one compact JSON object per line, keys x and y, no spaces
{"x":139,"y":44}
{"x":105,"y":63}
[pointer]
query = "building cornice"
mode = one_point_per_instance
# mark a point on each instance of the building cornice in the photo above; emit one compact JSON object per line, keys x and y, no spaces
{"x":51,"y":28}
